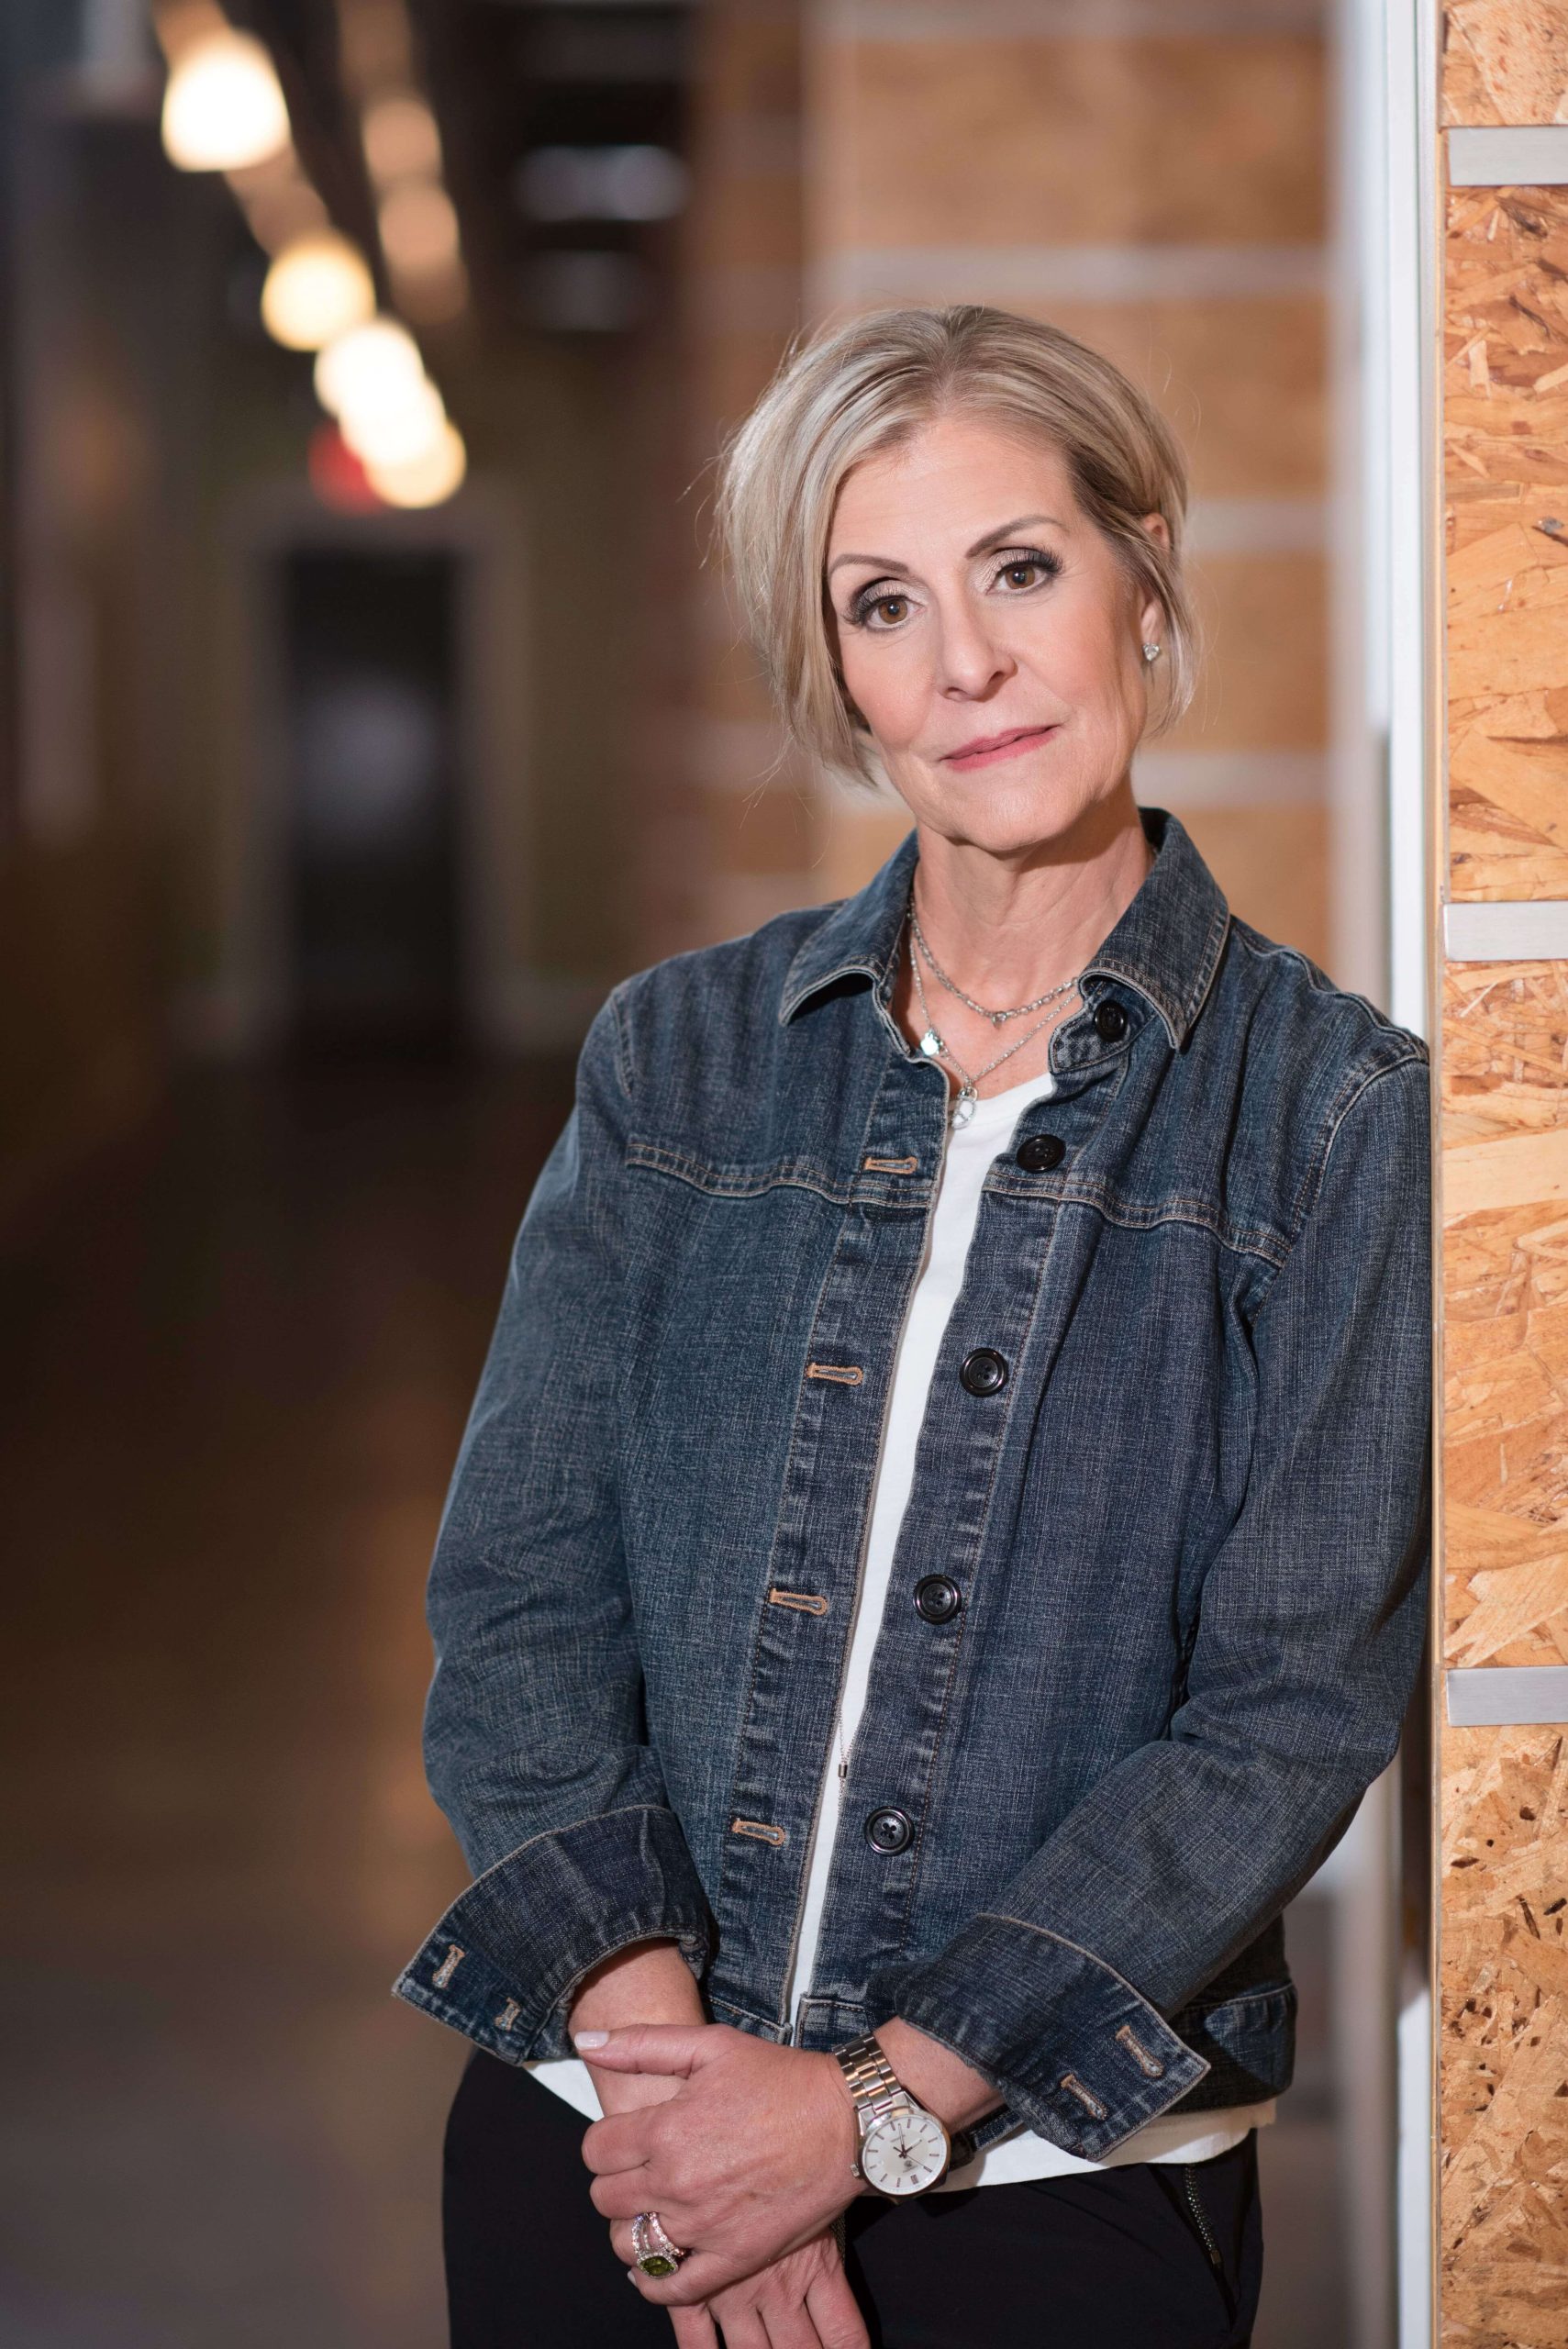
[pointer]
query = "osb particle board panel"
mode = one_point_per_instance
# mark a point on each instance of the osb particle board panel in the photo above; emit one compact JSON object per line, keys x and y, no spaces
{"x":1502,"y":1075}
{"x":1503,"y":2208}
{"x":1504,"y":61}
{"x":1505,"y":487}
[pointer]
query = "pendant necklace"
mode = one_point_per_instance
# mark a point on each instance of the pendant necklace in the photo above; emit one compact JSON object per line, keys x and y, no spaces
{"x":935,"y":1047}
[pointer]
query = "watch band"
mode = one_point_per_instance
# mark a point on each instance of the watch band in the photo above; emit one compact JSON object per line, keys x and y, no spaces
{"x":874,"y":2084}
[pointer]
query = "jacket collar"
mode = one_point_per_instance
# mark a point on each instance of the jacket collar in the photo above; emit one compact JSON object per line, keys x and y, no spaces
{"x":1166,"y":945}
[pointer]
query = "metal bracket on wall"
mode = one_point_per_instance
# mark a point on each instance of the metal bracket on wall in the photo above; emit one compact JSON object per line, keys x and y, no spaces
{"x":1490,"y":1696}
{"x":1507,"y":929}
{"x":1535,"y":155}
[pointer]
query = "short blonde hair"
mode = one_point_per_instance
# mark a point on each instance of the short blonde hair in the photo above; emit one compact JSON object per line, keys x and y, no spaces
{"x":866,"y":386}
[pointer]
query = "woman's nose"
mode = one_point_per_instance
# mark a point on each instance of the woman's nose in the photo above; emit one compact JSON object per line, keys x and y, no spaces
{"x":970,"y":660}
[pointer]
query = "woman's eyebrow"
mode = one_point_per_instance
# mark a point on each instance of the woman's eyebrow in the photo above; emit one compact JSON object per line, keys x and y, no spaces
{"x":991,"y":539}
{"x":1019,"y":522}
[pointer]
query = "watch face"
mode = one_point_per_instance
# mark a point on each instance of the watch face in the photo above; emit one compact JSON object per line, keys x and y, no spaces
{"x":904,"y":2152}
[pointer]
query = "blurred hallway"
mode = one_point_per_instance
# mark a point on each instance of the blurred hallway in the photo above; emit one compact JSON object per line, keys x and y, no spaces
{"x":249,"y":1341}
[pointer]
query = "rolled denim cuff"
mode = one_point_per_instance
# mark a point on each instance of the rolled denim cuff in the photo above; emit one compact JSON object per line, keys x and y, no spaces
{"x":1080,"y":2055}
{"x":503,"y":1965}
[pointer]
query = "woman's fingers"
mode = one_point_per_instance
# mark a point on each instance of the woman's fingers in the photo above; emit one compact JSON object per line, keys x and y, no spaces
{"x":789,"y":2326}
{"x":835,"y":2312}
{"x":695,"y":2329}
{"x":622,"y":2193}
{"x":743,"y":2328}
{"x":618,"y":2140}
{"x":673,"y":2047}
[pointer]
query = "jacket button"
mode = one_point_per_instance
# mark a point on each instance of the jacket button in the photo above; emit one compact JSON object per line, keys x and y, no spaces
{"x":1042,"y":1153}
{"x":983,"y":1372}
{"x":1110,"y":1022}
{"x":937,"y":1598}
{"x":888,"y":1831}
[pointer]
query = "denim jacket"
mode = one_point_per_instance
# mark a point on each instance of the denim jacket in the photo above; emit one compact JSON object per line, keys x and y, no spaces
{"x":1175,"y":1461}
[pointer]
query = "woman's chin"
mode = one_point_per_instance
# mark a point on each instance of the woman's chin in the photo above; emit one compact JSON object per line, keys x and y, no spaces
{"x":1002,"y":818}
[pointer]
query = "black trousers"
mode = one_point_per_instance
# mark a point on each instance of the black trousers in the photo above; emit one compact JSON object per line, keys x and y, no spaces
{"x":1114,"y":2261}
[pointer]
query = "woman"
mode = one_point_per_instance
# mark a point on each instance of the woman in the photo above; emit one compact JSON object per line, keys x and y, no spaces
{"x":938,"y":1551}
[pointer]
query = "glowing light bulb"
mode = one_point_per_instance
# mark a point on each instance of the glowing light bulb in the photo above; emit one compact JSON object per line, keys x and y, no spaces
{"x":398,"y":433}
{"x":317,"y":289}
{"x":401,"y":140}
{"x":223,"y":110}
{"x":424,"y":481}
{"x":418,"y":228}
{"x":377,"y":364}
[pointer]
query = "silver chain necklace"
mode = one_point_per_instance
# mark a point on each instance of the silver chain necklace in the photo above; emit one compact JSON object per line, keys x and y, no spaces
{"x":997,"y":1018}
{"x":935,"y":1047}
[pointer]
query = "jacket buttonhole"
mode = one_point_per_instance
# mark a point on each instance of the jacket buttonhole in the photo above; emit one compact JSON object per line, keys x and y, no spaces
{"x":1150,"y":2065}
{"x":448,"y":1966}
{"x":842,"y":1374}
{"x":761,"y":1828}
{"x":1086,"y":2097}
{"x":508,"y":2015}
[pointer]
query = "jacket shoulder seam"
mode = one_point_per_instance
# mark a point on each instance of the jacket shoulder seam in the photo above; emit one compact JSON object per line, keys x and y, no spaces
{"x":1358,"y":1082}
{"x":1265,"y":949}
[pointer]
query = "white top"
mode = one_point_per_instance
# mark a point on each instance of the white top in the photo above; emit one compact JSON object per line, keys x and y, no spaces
{"x":971,"y":1151}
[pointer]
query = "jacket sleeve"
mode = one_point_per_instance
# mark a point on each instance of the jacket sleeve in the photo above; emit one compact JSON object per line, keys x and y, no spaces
{"x":535,"y":1743}
{"x":1309,"y":1633}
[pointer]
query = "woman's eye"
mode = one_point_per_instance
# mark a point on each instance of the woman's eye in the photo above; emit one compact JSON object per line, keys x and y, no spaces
{"x":893,"y":608}
{"x":1017,"y":573}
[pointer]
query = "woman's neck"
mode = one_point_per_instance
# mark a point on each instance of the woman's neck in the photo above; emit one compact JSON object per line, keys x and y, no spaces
{"x":1007,"y":930}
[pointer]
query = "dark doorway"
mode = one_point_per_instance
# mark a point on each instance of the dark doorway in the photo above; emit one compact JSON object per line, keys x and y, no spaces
{"x":372,"y":728}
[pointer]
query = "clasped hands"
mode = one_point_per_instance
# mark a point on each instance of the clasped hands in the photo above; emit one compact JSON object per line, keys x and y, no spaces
{"x":748,"y":2160}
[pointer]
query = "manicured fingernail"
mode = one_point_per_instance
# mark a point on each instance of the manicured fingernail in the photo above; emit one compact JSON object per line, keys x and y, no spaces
{"x":589,"y":2038}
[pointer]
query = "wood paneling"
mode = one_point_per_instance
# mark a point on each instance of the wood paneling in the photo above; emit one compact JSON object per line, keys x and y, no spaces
{"x":1505,"y":1125}
{"x":1505,"y":61}
{"x":1504,"y":2053}
{"x":1505,"y":450}
{"x":1501,"y":1064}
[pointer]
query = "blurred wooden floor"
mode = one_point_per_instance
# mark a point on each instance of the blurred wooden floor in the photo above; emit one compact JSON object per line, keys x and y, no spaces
{"x":238,"y":1354}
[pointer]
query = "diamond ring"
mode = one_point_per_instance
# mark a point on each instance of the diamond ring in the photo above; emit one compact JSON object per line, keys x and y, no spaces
{"x":656,"y":2255}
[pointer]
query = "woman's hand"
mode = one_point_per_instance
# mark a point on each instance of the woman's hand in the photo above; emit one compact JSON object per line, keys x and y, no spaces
{"x":801,"y":2301}
{"x":748,"y":2162}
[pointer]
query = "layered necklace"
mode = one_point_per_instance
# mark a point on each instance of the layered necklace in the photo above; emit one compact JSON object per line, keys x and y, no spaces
{"x":935,"y":1046}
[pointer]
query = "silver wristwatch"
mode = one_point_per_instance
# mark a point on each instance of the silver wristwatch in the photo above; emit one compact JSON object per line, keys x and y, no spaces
{"x":904,"y":2149}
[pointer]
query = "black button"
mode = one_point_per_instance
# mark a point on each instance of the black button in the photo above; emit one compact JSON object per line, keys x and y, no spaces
{"x":983,"y":1372}
{"x":1042,"y":1153}
{"x":1110,"y":1021}
{"x":888,"y":1831}
{"x":937,"y":1599}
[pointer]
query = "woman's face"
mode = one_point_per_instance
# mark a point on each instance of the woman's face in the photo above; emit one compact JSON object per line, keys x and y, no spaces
{"x":986,"y":632}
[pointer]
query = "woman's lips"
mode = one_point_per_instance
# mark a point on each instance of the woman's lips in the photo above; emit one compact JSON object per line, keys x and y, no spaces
{"x":1007,"y":746}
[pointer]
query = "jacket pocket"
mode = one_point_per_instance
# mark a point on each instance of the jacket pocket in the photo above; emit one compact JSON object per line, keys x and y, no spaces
{"x":736,"y":1179}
